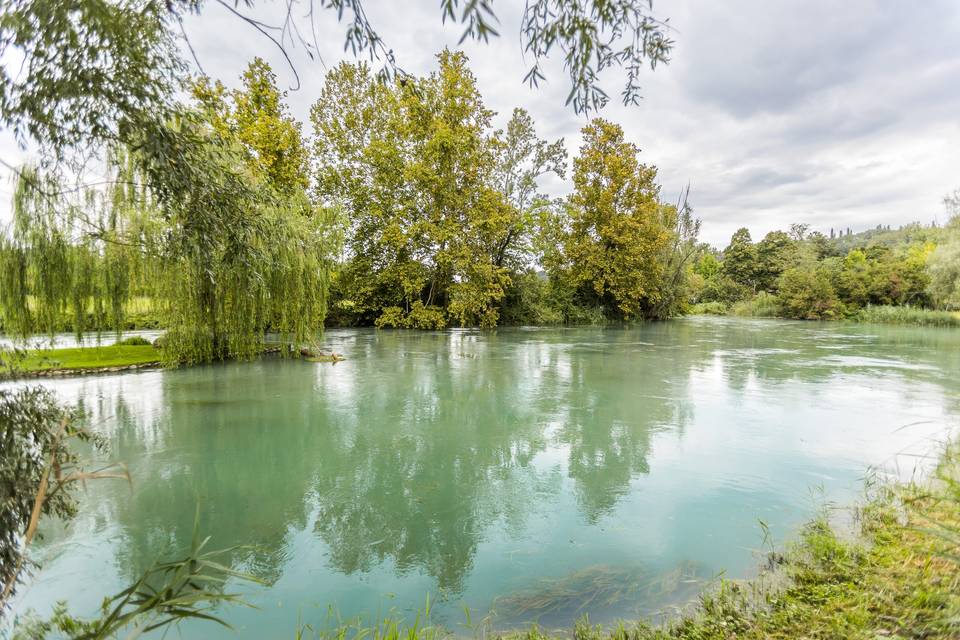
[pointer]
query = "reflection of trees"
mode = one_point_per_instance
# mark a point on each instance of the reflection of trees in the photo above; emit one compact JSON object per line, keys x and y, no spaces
{"x":414,"y":465}
{"x":436,"y":451}
{"x":421,"y":445}
{"x":411,"y":465}
{"x":231,"y":441}
{"x":610,"y":404}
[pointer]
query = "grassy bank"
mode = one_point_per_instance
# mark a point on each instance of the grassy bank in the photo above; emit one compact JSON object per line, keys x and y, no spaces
{"x":897,"y":575}
{"x":908,"y":315}
{"x":765,"y":305}
{"x":115,"y":355}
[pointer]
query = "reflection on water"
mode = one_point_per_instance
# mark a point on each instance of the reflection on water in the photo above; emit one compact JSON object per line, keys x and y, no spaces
{"x":532,"y":472}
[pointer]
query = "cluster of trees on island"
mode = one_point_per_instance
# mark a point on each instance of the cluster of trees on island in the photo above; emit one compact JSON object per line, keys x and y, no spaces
{"x":405,"y":208}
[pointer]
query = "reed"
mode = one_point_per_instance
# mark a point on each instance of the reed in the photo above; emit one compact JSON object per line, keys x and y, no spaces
{"x":886,"y":314}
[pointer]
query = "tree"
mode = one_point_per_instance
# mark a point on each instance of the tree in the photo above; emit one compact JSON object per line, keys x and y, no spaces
{"x":414,"y":164}
{"x":618,"y":229}
{"x":229,"y":243}
{"x":805,"y":293}
{"x":258,"y":118}
{"x":128,"y":82}
{"x":521,"y":159}
{"x":773,"y":254}
{"x":944,"y":269}
{"x":740,"y":259}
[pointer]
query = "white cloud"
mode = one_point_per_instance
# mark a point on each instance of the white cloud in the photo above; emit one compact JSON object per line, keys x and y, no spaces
{"x":775,"y":112}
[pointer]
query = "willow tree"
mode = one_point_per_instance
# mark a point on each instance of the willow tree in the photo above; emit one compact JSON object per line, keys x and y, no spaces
{"x":239,"y":251}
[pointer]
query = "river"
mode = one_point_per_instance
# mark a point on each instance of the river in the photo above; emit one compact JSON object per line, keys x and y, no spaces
{"x":533,"y":474}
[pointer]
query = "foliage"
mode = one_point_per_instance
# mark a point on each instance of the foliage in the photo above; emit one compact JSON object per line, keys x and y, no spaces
{"x":530,"y":301}
{"x":944,"y":268}
{"x":443,"y":210}
{"x":38,"y":469}
{"x":806,"y":293}
{"x":69,"y":91}
{"x":618,"y":231}
{"x":740,"y":260}
{"x":762,"y":305}
{"x":521,"y":160}
{"x":225,"y":250}
{"x":823,"y":278}
{"x":714,"y":308}
{"x":589,"y":35}
{"x":888,"y":314}
{"x":773,"y":255}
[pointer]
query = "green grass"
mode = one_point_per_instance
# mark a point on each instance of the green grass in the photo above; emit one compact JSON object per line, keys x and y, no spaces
{"x":908,"y":315}
{"x":709,"y":309}
{"x":120,"y":355}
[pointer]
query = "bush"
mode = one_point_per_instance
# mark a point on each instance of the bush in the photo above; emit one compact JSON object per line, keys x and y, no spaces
{"x":806,"y":293}
{"x":762,"y":305}
{"x":419,"y":317}
{"x":134,"y":341}
{"x":885,"y":314}
{"x":708,"y":309}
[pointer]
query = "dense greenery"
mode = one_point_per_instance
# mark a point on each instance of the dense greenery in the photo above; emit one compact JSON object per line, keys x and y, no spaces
{"x":439,"y":214}
{"x":37,"y":471}
{"x":811,"y":276}
{"x":444,"y":223}
{"x":239,"y":251}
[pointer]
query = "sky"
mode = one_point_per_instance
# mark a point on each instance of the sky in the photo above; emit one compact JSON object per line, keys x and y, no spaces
{"x":835,"y":114}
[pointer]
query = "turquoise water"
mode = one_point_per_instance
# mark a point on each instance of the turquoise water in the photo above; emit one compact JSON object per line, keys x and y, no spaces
{"x":529,"y":474}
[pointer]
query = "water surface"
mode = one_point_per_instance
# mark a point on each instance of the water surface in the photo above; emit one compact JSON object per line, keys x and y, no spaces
{"x":524,"y":471}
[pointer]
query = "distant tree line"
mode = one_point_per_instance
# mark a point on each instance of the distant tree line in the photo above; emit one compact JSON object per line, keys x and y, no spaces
{"x":809,"y":275}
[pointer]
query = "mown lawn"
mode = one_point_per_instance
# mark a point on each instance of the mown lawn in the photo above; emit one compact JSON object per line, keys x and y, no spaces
{"x":89,"y":357}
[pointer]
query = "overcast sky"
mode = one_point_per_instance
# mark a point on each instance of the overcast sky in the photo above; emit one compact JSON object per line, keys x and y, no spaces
{"x":838,"y":114}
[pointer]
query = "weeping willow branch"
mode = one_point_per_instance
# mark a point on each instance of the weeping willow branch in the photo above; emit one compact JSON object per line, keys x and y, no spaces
{"x":222,"y":255}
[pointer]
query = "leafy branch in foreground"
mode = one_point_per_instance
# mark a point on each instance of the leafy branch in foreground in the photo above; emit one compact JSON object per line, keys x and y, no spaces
{"x":38,"y":469}
{"x":167,"y":593}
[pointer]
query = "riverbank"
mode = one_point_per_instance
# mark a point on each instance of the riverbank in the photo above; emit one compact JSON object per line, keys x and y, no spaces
{"x":85,"y":360}
{"x":128,"y":355}
{"x":898,"y":577}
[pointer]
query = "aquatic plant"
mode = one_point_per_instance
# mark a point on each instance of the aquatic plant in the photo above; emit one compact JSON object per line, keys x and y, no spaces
{"x":593,"y":588}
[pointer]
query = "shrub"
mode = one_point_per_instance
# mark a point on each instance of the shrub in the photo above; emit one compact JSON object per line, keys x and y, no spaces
{"x":708,"y":309}
{"x":885,"y":314}
{"x":419,"y":317}
{"x":806,"y":293}
{"x":134,"y":341}
{"x":762,"y":305}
